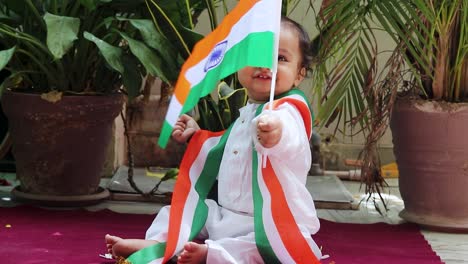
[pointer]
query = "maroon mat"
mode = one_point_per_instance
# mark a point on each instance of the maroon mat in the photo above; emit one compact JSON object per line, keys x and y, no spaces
{"x":31,"y":235}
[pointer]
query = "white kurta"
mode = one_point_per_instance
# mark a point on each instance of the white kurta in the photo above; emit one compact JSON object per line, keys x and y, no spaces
{"x":229,"y":229}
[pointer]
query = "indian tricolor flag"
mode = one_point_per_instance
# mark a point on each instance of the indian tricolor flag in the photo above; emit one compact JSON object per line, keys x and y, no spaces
{"x":248,"y":36}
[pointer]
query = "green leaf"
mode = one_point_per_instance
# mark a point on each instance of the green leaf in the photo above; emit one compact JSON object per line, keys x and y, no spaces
{"x":61,"y":32}
{"x":11,"y":81}
{"x":93,"y":4}
{"x":131,"y":77}
{"x":112,"y":55}
{"x":229,"y":103}
{"x":90,"y":4}
{"x":5,"y":56}
{"x":160,"y":43}
{"x":147,"y":57}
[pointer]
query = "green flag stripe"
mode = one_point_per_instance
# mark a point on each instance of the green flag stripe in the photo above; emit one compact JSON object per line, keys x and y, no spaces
{"x":205,"y":183}
{"x":148,"y":254}
{"x":240,"y":55}
{"x":165,"y":134}
{"x":261,"y":239}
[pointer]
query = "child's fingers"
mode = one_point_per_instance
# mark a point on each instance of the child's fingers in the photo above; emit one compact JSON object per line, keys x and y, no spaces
{"x":268,"y":122}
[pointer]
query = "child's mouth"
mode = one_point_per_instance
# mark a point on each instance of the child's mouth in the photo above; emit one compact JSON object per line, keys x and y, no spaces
{"x":263,"y":76}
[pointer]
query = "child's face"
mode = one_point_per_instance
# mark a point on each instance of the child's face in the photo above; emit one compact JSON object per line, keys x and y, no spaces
{"x":257,"y":81}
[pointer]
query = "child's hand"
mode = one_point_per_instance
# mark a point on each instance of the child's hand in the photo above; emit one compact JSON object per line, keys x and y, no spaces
{"x":269,"y":130}
{"x":184,"y":128}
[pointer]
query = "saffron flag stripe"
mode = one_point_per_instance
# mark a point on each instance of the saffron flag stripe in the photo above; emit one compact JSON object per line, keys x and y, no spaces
{"x":229,"y":64}
{"x":291,"y":236}
{"x":245,"y":53}
{"x":272,"y":234}
{"x":261,"y":14}
{"x":301,"y":105}
{"x":220,"y":33}
{"x":261,"y":237}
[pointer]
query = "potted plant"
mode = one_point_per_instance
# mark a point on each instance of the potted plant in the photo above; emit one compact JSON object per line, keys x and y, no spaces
{"x":420,"y":89}
{"x":69,"y":64}
{"x":175,"y":22}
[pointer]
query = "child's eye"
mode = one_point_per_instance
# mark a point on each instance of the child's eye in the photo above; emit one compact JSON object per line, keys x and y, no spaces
{"x":282,"y":58}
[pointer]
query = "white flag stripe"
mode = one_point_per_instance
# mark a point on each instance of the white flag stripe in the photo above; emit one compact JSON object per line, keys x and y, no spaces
{"x":260,"y":18}
{"x":156,"y":261}
{"x":173,"y":111}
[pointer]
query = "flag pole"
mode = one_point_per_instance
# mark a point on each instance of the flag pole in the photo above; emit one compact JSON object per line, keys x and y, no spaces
{"x":274,"y":68}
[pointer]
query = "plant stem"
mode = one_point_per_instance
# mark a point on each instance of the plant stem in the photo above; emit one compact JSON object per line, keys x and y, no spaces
{"x":189,"y":14}
{"x":40,"y":20}
{"x":39,"y":63}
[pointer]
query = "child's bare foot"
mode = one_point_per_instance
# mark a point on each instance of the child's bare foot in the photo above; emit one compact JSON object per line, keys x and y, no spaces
{"x":193,"y":253}
{"x":120,"y":247}
{"x":110,"y":242}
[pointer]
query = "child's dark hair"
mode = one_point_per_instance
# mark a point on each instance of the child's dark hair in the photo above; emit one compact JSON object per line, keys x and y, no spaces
{"x":304,"y":41}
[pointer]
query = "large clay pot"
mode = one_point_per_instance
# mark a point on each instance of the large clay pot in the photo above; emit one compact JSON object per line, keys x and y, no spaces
{"x":431,"y":149}
{"x":60,"y":147}
{"x":145,"y":119}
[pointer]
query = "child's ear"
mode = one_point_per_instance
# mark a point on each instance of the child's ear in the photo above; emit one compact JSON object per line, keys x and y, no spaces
{"x":300,"y":76}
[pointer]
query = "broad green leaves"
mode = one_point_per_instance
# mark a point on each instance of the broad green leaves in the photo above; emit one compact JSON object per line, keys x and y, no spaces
{"x":5,"y":56}
{"x":150,"y":61}
{"x":61,"y":32}
{"x":112,"y":55}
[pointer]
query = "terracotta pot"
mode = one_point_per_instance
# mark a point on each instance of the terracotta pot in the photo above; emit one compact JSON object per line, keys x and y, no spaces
{"x":431,"y":148}
{"x":60,"y":147}
{"x":145,"y":119}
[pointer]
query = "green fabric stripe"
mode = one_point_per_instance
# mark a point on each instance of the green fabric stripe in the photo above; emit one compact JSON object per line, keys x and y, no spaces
{"x":148,"y":254}
{"x":165,"y":134}
{"x":261,"y":239}
{"x":248,"y":52}
{"x":205,"y":182}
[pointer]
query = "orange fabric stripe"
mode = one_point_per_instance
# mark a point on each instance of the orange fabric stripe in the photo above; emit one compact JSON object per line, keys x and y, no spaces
{"x":203,"y":48}
{"x":182,"y":189}
{"x":291,"y":236}
{"x":303,"y":110}
{"x":182,"y":89}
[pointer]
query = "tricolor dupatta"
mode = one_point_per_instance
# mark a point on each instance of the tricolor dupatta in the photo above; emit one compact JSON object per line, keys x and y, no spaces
{"x":197,"y":174}
{"x":277,"y":234}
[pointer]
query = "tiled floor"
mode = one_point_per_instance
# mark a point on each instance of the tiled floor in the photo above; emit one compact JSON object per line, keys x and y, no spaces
{"x":452,"y":248}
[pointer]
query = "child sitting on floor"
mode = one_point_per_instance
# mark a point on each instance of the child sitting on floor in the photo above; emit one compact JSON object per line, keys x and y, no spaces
{"x":280,"y":137}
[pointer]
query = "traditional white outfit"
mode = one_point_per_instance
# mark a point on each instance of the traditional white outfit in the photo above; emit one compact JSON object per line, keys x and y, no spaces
{"x":229,"y":229}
